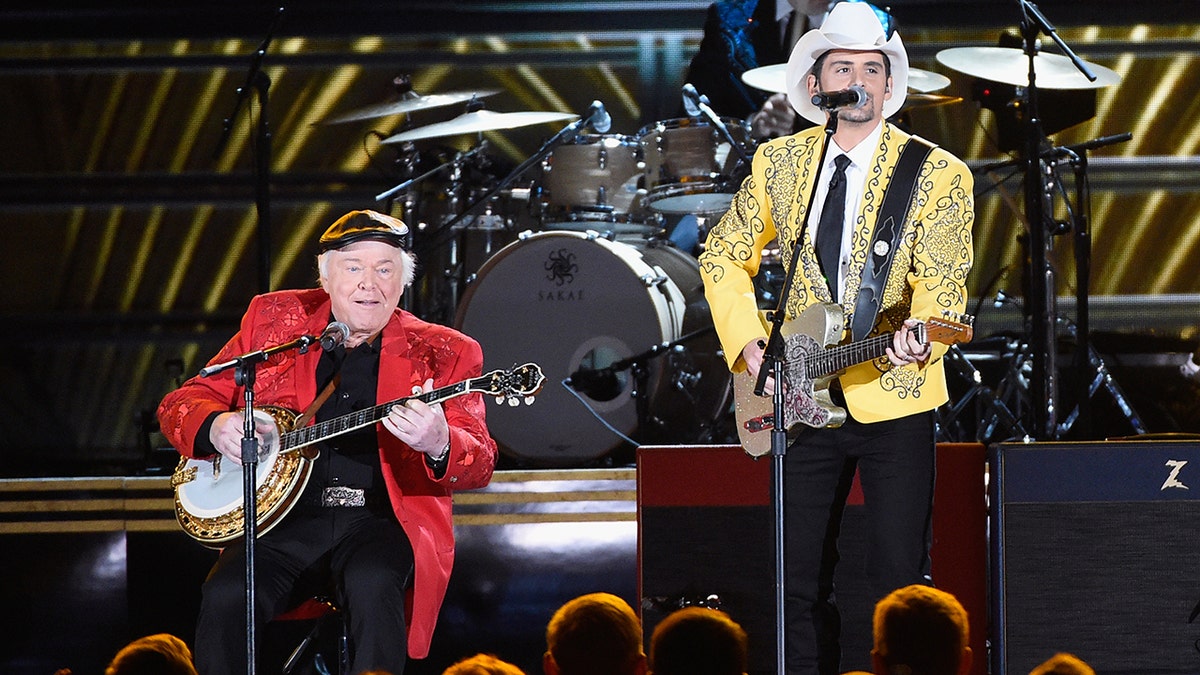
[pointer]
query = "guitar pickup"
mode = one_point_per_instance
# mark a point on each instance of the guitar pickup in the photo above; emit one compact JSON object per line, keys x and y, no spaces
{"x":761,"y":423}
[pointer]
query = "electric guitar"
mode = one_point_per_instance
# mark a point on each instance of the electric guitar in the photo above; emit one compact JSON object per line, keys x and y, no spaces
{"x":811,"y":363}
{"x":209,"y":495}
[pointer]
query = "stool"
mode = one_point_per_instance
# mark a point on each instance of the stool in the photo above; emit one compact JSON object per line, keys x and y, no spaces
{"x":321,"y":610}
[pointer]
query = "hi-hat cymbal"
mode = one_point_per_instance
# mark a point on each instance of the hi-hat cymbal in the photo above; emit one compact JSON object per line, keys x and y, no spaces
{"x":410,"y":102}
{"x":1011,"y":66}
{"x":774,"y":79}
{"x":475,"y":122}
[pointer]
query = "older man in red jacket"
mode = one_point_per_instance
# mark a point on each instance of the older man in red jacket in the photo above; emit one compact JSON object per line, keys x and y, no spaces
{"x":374,"y":518}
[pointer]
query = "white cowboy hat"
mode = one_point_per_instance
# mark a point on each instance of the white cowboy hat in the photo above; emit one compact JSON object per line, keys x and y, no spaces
{"x":854,"y":26}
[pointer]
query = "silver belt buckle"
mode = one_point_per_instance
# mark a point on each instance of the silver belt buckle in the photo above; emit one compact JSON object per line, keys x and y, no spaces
{"x":343,"y":496}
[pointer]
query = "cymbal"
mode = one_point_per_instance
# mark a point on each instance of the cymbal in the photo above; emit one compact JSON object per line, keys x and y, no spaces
{"x":926,"y":81}
{"x":774,"y":79}
{"x":1011,"y":66}
{"x":410,"y":102}
{"x":919,"y":100}
{"x":475,"y":122}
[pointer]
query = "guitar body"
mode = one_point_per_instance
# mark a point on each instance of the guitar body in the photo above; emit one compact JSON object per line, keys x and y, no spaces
{"x":209,"y":497}
{"x":812,"y":359}
{"x":806,"y":397}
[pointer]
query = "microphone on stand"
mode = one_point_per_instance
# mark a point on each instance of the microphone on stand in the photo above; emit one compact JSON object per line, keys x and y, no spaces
{"x":600,"y":384}
{"x":334,"y":334}
{"x":692,"y":100}
{"x":598,"y":118}
{"x":852,"y":97}
{"x":697,"y":104}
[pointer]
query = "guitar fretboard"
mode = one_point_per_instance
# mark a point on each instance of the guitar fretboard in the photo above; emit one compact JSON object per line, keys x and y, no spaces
{"x":832,"y":360}
{"x":358,"y":419}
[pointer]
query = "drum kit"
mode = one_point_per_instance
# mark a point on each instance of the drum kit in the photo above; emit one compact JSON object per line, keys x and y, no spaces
{"x":566,"y":261}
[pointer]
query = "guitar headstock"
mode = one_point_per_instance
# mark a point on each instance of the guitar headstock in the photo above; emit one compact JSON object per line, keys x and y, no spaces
{"x":519,"y":383}
{"x":951,"y":329}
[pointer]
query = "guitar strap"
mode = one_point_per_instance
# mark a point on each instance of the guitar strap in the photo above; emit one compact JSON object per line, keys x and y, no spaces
{"x":316,"y":404}
{"x":888,"y":228}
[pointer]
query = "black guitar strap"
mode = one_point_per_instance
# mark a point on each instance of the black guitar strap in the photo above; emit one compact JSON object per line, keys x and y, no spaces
{"x":888,"y":228}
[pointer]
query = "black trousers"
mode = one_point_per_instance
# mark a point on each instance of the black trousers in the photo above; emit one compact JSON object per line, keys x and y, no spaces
{"x":362,"y":552}
{"x":895,"y":460}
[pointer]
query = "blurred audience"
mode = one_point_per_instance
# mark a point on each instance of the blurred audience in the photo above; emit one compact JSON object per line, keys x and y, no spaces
{"x":594,"y":634}
{"x":1063,"y":663}
{"x":698,"y":641}
{"x":920,"y":630}
{"x":160,"y":654}
{"x":483,"y":664}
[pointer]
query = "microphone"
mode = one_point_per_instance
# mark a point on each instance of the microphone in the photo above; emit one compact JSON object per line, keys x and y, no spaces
{"x":853,"y":97}
{"x":599,"y":118}
{"x":692,"y":100}
{"x":600,"y":384}
{"x":334,"y":334}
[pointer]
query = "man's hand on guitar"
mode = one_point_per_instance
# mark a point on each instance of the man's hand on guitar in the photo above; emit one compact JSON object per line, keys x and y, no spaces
{"x":420,"y":425}
{"x":906,"y":348}
{"x":752,"y":354}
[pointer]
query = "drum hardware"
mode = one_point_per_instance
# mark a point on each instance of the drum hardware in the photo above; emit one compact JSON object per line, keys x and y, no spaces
{"x":1030,"y":70}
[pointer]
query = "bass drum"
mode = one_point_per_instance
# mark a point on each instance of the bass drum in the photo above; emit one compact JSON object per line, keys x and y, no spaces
{"x":571,"y":301}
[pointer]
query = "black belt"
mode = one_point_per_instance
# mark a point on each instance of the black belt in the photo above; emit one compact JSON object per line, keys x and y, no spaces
{"x":344,"y":497}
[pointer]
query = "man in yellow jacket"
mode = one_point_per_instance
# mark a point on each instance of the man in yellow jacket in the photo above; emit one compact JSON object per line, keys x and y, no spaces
{"x":913,"y":260}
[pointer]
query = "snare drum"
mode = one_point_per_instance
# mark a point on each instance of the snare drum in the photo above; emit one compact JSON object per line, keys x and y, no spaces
{"x":592,"y":183}
{"x":688,"y":165}
{"x":569,"y":301}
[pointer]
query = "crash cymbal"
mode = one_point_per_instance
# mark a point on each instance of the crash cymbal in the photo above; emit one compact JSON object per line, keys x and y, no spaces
{"x":919,"y":100}
{"x":409,"y":102}
{"x":767,"y":78}
{"x":925,"y":81}
{"x":1011,"y":66}
{"x":774,"y":79}
{"x":475,"y":122}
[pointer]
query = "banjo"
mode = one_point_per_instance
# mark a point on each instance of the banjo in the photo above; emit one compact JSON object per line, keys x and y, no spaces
{"x":209,"y":493}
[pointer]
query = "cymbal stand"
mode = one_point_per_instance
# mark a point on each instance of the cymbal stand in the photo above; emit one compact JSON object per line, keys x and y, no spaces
{"x":1040,"y":297}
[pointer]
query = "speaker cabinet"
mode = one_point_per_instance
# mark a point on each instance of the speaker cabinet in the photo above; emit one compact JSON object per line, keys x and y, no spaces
{"x":706,"y":527}
{"x":1096,"y":552}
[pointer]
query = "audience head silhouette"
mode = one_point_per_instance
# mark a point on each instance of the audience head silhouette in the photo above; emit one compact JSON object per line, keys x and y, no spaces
{"x":483,"y":664}
{"x":920,"y":630}
{"x":594,"y":634}
{"x":161,"y":654}
{"x":1063,"y":663}
{"x":698,"y":641}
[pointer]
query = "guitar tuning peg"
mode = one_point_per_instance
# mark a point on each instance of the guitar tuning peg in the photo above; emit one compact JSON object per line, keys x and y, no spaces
{"x":512,"y":403}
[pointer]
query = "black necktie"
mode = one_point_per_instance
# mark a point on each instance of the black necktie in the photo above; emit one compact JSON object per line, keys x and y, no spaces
{"x":829,"y":230}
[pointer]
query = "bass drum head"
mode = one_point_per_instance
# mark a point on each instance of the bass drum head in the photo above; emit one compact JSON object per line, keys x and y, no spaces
{"x":569,"y":301}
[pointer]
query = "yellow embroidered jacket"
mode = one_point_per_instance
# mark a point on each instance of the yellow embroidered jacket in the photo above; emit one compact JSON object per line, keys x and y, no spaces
{"x":927,"y":276}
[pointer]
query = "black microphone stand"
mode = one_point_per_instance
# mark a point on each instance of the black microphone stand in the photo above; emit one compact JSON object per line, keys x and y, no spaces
{"x":244,"y":375}
{"x":261,"y":82}
{"x":773,"y":365}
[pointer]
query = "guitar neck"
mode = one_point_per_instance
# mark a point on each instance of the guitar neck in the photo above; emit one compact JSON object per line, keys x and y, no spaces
{"x":299,"y":438}
{"x":840,"y":358}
